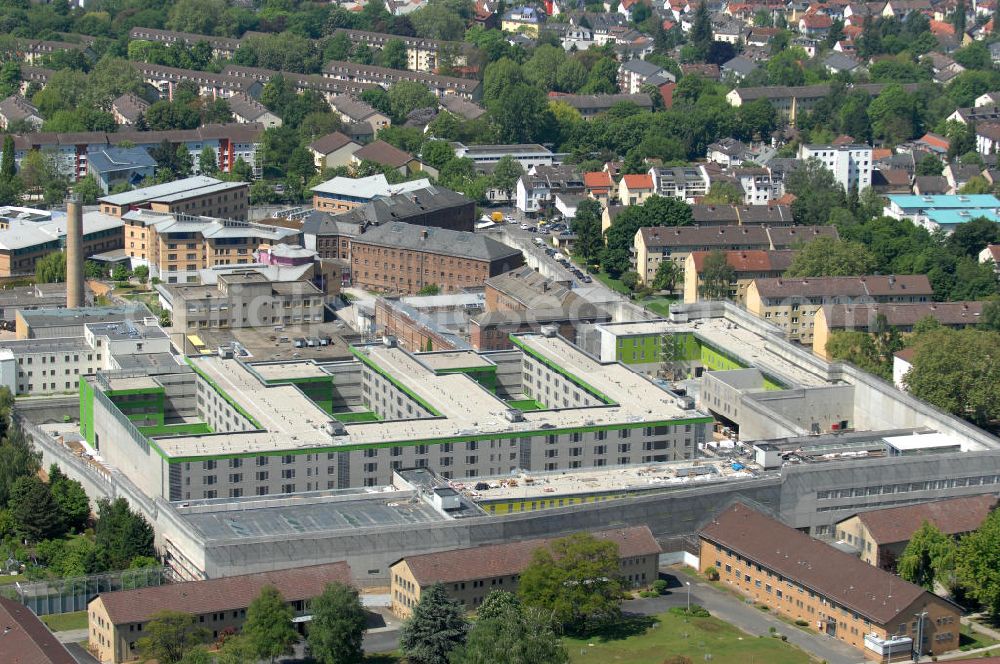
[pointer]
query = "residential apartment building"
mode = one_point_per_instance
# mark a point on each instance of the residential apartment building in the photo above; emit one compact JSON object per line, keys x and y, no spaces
{"x":792,"y":304}
{"x":222,"y":47}
{"x":244,"y":299}
{"x":759,"y":188}
{"x":634,"y":189}
{"x":747,"y":266}
{"x":246,"y":109}
{"x":590,"y":106}
{"x":199,"y":196}
{"x":633,"y":74}
{"x":683,"y":182}
{"x":537,"y":189}
{"x":404,"y":258}
{"x":177,"y":247}
{"x":832,"y":318}
{"x":352,"y":111}
{"x":210,"y":84}
{"x":440,"y":85}
{"x":328,"y":87}
{"x":789,"y":101}
{"x":851,"y":165}
{"x":600,"y":186}
{"x":652,"y":245}
{"x":880,"y":536}
{"x":117,"y":620}
{"x":834,"y":592}
{"x":230,"y":142}
{"x":469,"y":575}
{"x":942,"y":212}
{"x":15,"y":110}
{"x":422,"y":54}
{"x":333,"y":150}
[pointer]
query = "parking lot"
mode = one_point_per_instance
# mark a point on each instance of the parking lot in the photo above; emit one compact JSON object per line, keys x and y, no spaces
{"x":534,"y":238}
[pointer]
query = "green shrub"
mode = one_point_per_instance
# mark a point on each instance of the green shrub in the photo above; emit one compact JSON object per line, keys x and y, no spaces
{"x":695,"y":612}
{"x":802,"y":623}
{"x":712,"y":574}
{"x":659,"y":586}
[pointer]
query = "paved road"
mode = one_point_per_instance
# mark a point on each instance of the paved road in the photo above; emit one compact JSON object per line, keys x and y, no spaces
{"x":748,"y":618}
{"x":71,"y":635}
{"x":79,"y":654}
{"x":385,"y":640}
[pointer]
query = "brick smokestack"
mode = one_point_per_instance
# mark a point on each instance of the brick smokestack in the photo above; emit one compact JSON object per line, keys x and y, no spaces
{"x":74,"y":252}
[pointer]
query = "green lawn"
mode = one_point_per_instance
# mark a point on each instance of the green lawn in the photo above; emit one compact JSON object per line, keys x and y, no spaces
{"x":7,"y":579}
{"x":613,"y":284}
{"x":652,"y":640}
{"x":659,"y":304}
{"x":62,"y":622}
{"x":357,"y":416}
{"x":969,"y":640}
{"x":526,"y":404}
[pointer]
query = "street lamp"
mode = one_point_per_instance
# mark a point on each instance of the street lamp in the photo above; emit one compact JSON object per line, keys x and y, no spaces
{"x":689,"y":595}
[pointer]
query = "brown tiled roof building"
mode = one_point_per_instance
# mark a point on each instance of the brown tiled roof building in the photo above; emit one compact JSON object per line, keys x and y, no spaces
{"x":881,"y":535}
{"x":24,"y":639}
{"x":116,"y":619}
{"x":469,"y":575}
{"x":834,"y":592}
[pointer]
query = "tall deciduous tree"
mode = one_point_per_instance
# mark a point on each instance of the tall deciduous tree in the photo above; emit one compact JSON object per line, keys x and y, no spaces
{"x":656,"y":211}
{"x":168,"y":635}
{"x":667,"y":276}
{"x":717,"y":276}
{"x":51,"y":268}
{"x":506,"y":631}
{"x":956,"y":370}
{"x":977,"y":563}
{"x":207,"y":163}
{"x":269,"y":625}
{"x":506,"y":173}
{"x":929,"y":555}
{"x":393,"y":54}
{"x":435,"y":629}
{"x":338,"y":625}
{"x":829,"y":257}
{"x":817,"y":193}
{"x":576,"y":581}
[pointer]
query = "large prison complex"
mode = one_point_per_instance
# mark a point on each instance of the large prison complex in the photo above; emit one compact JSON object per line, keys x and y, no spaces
{"x":244,"y":465}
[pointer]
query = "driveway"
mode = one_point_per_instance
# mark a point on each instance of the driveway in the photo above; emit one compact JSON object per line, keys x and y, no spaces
{"x":748,"y":618}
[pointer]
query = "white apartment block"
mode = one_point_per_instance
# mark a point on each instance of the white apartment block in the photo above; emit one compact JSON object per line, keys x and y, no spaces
{"x":851,"y":165}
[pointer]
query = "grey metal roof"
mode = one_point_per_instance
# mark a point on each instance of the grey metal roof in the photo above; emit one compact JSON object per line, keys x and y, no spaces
{"x":444,"y":241}
{"x":159,"y":190}
{"x":111,"y":159}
